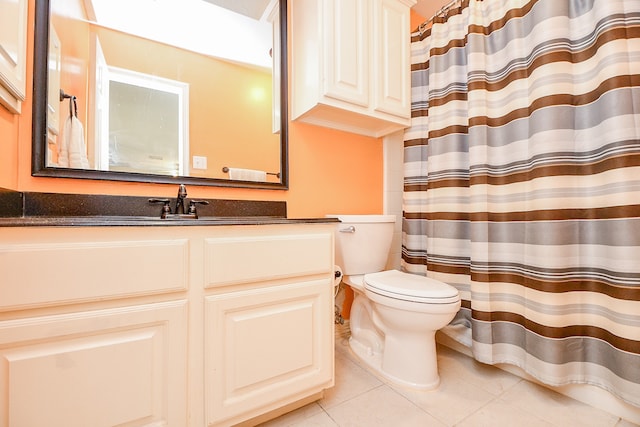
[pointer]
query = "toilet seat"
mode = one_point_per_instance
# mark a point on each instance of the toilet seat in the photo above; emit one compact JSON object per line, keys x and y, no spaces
{"x":410,"y":287}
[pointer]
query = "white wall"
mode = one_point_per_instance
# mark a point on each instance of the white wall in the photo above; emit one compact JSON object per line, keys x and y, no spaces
{"x":393,"y":149}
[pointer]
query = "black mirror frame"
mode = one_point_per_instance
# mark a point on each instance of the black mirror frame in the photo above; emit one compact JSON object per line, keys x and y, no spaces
{"x":39,"y":126}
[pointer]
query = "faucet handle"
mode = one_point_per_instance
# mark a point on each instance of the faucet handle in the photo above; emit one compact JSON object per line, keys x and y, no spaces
{"x":193,"y":203}
{"x":166,"y":209}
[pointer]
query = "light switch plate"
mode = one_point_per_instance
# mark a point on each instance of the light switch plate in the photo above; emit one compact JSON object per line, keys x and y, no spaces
{"x":199,"y":162}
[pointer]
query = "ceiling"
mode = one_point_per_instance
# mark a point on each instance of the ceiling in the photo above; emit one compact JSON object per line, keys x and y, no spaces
{"x":208,"y":22}
{"x":253,"y":9}
{"x":195,"y":25}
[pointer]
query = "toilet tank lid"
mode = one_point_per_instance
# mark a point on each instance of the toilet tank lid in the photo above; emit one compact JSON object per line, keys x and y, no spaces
{"x":363,"y":218}
{"x":414,"y":287}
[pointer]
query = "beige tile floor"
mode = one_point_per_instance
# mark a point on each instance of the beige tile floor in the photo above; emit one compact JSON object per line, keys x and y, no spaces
{"x":470,"y":395}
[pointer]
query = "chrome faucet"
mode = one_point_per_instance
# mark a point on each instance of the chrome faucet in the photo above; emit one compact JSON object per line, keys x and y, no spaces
{"x":182,"y":194}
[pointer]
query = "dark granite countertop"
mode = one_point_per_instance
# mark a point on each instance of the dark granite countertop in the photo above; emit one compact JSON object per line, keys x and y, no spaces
{"x":120,"y":221}
{"x":26,"y":209}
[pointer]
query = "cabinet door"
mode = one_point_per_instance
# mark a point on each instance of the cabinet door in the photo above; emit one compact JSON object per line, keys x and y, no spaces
{"x":123,"y":366}
{"x":347,"y":56}
{"x":266,"y":346}
{"x":13,"y":45}
{"x":392,"y":58}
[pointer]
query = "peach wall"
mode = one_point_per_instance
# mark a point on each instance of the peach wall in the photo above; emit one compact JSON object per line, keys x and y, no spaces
{"x":416,"y":19}
{"x":330,"y":171}
{"x":9,"y":128}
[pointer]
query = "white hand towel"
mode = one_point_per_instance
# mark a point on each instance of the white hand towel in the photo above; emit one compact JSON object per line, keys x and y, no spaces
{"x":73,"y":151}
{"x":247,"y":174}
{"x":63,"y":147}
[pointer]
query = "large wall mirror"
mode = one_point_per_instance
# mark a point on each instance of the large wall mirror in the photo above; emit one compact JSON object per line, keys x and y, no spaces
{"x":189,"y":91}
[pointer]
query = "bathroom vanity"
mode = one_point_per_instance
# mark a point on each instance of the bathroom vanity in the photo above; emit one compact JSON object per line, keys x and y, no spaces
{"x":126,"y":322}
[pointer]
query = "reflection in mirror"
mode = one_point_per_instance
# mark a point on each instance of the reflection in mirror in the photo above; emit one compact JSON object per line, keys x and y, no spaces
{"x":118,"y":96}
{"x":145,"y":124}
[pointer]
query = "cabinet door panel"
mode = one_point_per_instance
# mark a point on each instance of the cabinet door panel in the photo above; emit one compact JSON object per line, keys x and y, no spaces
{"x":123,"y":366}
{"x":347,"y":62}
{"x":392,"y":56}
{"x":266,"y":346}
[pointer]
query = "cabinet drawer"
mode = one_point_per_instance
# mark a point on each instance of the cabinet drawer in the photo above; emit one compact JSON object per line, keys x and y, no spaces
{"x":246,"y":259}
{"x":55,"y":273}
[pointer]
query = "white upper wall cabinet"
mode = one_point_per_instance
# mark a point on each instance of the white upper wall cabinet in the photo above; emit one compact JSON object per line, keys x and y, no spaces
{"x":351,"y":64}
{"x":13,"y":51}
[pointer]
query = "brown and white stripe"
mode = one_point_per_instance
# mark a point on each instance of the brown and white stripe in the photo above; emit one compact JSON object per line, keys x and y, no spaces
{"x":522,"y":182}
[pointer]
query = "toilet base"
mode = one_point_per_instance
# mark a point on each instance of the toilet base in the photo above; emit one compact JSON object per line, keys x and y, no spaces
{"x":373,"y":359}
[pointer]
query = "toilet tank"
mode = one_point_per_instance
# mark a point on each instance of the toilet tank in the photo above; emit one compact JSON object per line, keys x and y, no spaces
{"x":363,"y":242}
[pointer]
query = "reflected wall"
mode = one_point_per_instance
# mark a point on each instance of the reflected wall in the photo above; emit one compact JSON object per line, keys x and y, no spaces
{"x":230,"y":115}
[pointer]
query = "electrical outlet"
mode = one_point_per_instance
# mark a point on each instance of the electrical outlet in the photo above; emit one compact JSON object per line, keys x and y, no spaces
{"x":199,"y":162}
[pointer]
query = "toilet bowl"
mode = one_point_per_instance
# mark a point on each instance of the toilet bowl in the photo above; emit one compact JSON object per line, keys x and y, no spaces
{"x":395,"y":315}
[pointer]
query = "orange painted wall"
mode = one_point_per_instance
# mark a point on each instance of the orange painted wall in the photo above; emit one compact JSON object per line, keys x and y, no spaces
{"x":416,"y":19}
{"x":330,"y":171}
{"x":9,"y":135}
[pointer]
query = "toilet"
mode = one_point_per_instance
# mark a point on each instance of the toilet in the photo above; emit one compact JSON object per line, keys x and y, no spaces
{"x":395,"y":315}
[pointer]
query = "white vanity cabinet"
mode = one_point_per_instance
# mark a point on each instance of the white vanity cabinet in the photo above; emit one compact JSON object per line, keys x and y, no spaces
{"x":351,"y":64}
{"x":93,"y":327}
{"x":268,"y":320}
{"x":177,"y":325}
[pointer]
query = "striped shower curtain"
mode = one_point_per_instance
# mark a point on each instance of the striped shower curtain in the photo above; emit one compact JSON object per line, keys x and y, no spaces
{"x":522,"y":183}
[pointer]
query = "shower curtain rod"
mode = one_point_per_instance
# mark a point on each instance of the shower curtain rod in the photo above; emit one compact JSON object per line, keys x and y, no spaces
{"x":443,"y":10}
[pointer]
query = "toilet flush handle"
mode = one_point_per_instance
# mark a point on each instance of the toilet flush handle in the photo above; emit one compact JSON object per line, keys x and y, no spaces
{"x":350,"y":229}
